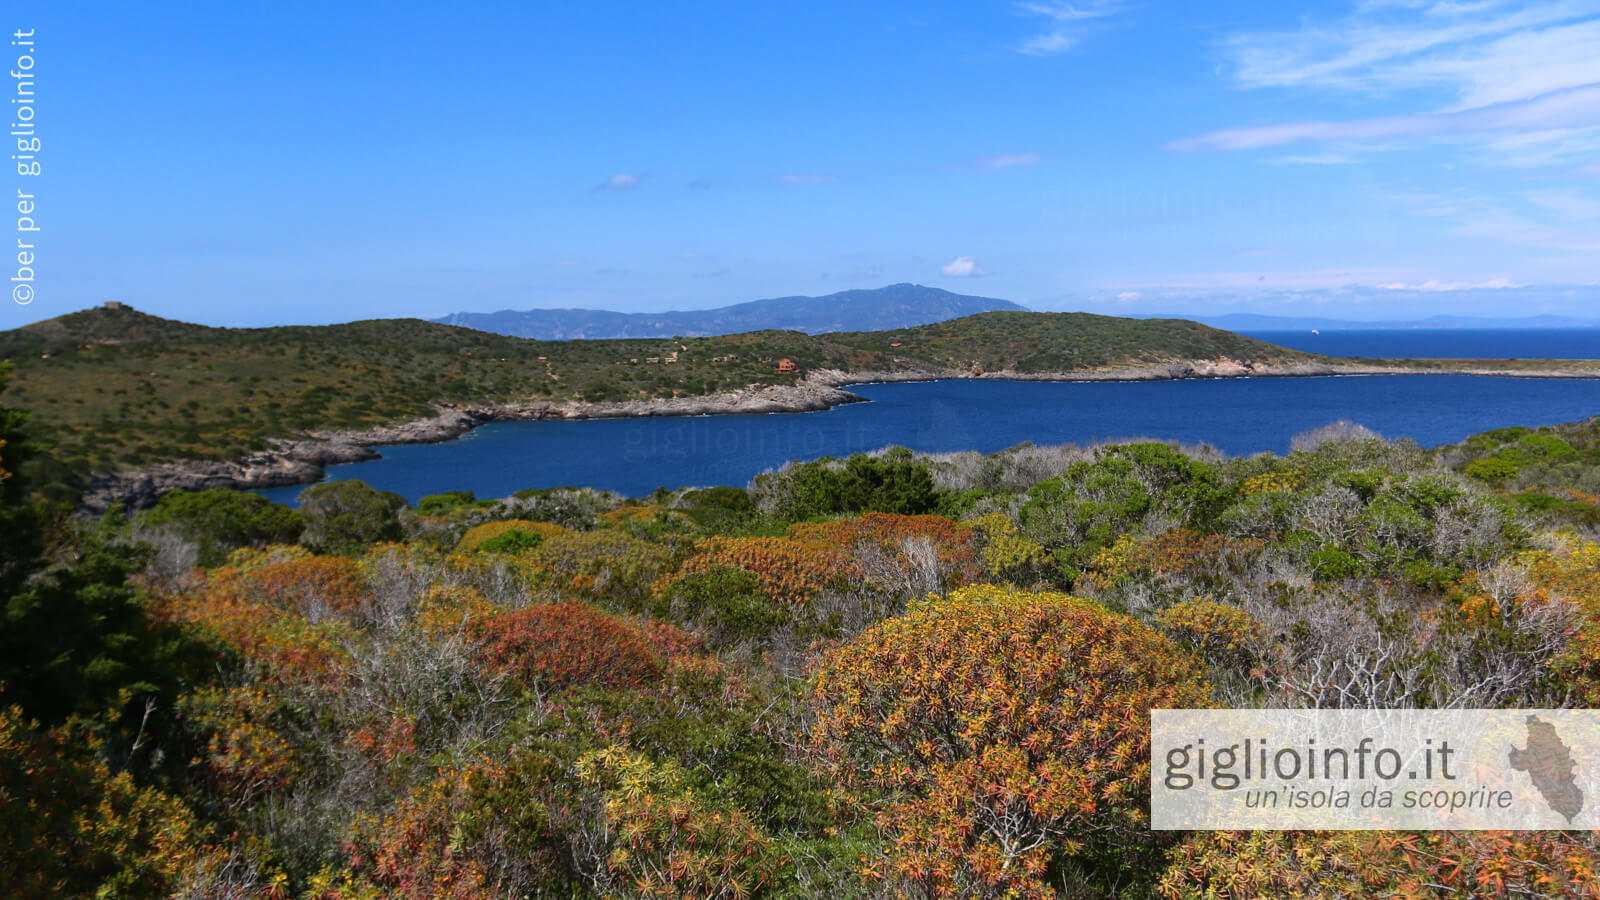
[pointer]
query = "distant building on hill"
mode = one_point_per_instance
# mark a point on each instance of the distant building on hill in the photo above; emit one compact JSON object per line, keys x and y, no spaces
{"x":113,"y":304}
{"x":786,"y":365}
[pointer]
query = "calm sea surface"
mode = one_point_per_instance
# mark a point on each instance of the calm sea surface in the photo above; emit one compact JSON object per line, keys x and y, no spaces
{"x":1444,"y":343}
{"x":634,"y":456}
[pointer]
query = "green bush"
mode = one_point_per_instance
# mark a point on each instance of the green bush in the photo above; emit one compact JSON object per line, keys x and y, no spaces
{"x":1493,"y":469}
{"x":222,"y":519}
{"x":1087,"y":507}
{"x":893,"y":483}
{"x":512,"y":542}
{"x":345,"y":517}
{"x":727,"y":605}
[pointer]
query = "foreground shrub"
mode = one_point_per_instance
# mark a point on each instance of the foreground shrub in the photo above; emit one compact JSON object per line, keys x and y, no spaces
{"x":1233,"y":865}
{"x":665,"y":841}
{"x":1008,"y":732}
{"x":556,"y":645}
{"x":68,"y":827}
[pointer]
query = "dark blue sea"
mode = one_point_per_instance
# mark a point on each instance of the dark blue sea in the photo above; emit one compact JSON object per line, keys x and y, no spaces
{"x":1444,"y":343}
{"x":1238,"y":416}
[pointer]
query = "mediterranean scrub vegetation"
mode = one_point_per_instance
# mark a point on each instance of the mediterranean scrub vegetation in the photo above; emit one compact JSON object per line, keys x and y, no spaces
{"x":888,"y":676}
{"x":126,"y":389}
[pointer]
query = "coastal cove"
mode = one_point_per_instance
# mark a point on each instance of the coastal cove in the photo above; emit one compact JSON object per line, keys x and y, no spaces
{"x":635,"y":455}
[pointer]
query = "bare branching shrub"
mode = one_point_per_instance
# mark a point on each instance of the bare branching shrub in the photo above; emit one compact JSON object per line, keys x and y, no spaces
{"x":173,"y":558}
{"x":1342,"y":430}
{"x":1373,"y":650}
{"x":575,"y":508}
{"x":215,"y":876}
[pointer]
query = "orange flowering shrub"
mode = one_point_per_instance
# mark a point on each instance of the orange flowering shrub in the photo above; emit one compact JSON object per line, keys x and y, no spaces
{"x":245,"y":756}
{"x":1235,"y":865}
{"x":641,"y":515}
{"x":281,"y":645}
{"x":1004,"y":729}
{"x":554,"y":645}
{"x":1573,"y":571}
{"x":791,"y":572}
{"x":447,"y":609}
{"x":955,"y":540}
{"x":315,"y":587}
{"x":478,"y":534}
{"x":1226,"y":636}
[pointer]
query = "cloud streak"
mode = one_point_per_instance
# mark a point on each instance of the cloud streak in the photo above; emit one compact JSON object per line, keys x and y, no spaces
{"x":1508,"y":76}
{"x":1069,"y":22}
{"x":622,"y":181}
{"x":1008,"y":160}
{"x":1577,"y":107}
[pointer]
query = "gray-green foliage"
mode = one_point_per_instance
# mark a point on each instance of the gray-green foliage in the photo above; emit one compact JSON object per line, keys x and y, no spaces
{"x":347,"y":516}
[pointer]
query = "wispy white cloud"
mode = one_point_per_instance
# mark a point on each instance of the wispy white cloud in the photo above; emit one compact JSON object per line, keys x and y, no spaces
{"x":1007,"y":160}
{"x":1316,"y":159}
{"x":1490,"y":72}
{"x":962,"y":267}
{"x":1434,"y":285}
{"x":1568,"y":202}
{"x":622,"y":181}
{"x":1497,"y":219}
{"x":1068,"y":23}
{"x":806,"y":178}
{"x":1563,"y":109}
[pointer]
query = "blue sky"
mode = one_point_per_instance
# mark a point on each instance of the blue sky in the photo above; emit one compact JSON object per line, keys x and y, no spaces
{"x":261,"y":163}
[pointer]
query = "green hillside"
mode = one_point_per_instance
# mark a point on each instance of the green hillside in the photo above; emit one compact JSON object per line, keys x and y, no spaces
{"x":117,"y":387}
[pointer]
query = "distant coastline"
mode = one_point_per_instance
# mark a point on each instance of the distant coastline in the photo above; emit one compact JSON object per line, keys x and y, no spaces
{"x":304,"y":461}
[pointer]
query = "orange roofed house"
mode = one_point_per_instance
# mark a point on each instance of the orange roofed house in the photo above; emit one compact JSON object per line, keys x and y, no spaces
{"x":786,"y":365}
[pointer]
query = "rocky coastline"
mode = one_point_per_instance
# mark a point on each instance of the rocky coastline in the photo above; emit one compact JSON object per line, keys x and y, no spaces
{"x":303,"y":461}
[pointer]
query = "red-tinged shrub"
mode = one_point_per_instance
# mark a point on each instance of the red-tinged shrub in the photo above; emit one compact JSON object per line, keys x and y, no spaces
{"x":1008,"y":731}
{"x":955,"y":540}
{"x":892,"y":551}
{"x":555,"y":645}
{"x":671,"y":642}
{"x":1234,"y":865}
{"x":478,"y":832}
{"x":790,"y":571}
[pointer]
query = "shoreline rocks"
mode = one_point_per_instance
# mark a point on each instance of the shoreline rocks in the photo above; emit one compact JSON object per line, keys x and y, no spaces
{"x":290,"y":462}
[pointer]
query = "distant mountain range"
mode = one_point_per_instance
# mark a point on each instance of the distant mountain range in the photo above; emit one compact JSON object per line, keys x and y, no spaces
{"x":879,"y":309}
{"x":1253,"y":322}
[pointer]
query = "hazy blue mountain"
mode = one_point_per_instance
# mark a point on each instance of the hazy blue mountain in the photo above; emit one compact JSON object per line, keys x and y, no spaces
{"x":879,"y":309}
{"x":1254,"y":322}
